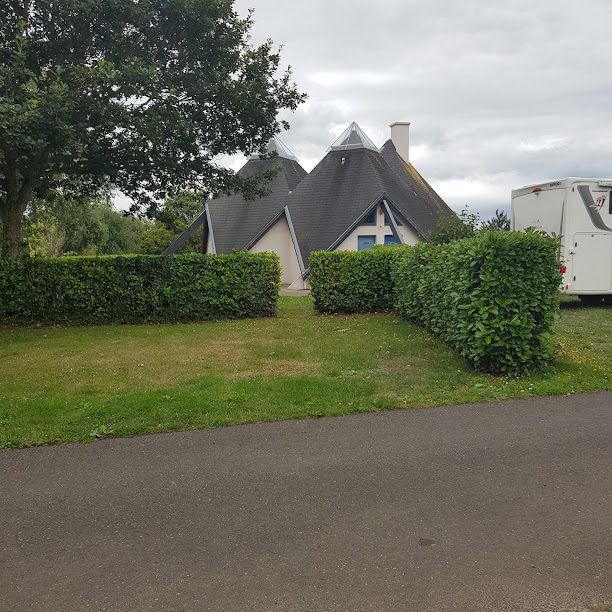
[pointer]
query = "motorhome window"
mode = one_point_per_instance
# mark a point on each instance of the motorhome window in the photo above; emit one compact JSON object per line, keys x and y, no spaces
{"x":610,"y":203}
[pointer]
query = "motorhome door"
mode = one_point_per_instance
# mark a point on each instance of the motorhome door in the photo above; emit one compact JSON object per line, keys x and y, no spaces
{"x":592,"y":262}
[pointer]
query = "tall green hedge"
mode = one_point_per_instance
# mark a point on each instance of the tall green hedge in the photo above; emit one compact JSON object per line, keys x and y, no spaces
{"x":353,"y":281}
{"x":494,"y":297}
{"x":139,"y":289}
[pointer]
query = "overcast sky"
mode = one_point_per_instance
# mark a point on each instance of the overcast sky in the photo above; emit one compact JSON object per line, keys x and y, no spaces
{"x":500,"y":95}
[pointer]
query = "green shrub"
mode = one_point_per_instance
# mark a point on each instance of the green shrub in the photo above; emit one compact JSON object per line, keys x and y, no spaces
{"x":352,"y":281}
{"x":139,"y":289}
{"x":493,"y":297}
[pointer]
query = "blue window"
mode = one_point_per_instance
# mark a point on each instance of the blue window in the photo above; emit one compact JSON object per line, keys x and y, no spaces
{"x":365,"y":242}
{"x":391,"y":239}
{"x":370,"y":219}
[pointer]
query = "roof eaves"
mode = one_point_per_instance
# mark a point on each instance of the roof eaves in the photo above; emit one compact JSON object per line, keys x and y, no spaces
{"x":296,"y":244}
{"x":265,"y":228}
{"x":210,"y":229}
{"x":351,"y":227}
{"x":403,"y":216}
{"x":355,"y":223}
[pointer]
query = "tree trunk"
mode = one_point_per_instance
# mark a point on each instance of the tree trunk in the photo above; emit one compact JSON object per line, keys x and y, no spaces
{"x":17,"y":197}
{"x":11,"y":225}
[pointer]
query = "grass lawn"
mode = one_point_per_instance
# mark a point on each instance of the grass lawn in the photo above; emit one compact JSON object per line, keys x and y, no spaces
{"x":84,"y":383}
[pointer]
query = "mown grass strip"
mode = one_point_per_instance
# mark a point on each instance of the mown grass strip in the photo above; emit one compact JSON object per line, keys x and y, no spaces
{"x":79,"y":384}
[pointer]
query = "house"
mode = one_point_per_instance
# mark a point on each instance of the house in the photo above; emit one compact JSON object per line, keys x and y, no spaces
{"x":357,"y":196}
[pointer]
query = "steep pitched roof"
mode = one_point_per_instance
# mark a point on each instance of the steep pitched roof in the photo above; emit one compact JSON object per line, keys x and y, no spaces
{"x":427,"y":215}
{"x":324,"y":205}
{"x":346,"y":184}
{"x":339,"y":189}
{"x":236,"y":221}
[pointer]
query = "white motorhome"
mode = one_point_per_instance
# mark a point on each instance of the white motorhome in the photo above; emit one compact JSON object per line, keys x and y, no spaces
{"x":578,"y":210}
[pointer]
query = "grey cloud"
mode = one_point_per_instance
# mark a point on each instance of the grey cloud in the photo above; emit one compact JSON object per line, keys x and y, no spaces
{"x":498,"y":96}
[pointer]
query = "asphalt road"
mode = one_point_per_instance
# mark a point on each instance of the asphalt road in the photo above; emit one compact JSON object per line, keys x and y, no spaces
{"x":503,"y":506}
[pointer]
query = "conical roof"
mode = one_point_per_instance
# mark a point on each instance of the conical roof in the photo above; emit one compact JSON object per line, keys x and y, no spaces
{"x":353,"y":138}
{"x":276,"y":145}
{"x":342,"y":188}
{"x":236,"y":221}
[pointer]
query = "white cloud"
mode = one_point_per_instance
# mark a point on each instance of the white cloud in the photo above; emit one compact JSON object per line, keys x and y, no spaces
{"x":543,"y":144}
{"x":339,"y":79}
{"x":480,"y":193}
{"x":499,"y":96}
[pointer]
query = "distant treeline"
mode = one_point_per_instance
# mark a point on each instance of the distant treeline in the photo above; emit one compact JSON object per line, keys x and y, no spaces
{"x":95,"y":227}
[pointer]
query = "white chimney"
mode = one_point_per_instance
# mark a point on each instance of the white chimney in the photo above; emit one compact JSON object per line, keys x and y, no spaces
{"x":400,"y":135}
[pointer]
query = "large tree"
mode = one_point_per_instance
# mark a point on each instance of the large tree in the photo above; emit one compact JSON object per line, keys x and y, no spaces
{"x":144,"y":94}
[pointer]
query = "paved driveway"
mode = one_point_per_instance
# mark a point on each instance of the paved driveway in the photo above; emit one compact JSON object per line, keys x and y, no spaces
{"x":503,"y":506}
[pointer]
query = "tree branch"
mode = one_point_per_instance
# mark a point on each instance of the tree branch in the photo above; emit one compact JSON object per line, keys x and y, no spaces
{"x":31,"y":178}
{"x":10,"y":176}
{"x":25,"y":15}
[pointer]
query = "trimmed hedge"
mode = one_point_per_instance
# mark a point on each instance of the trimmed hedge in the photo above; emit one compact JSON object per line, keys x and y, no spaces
{"x":353,"y":281}
{"x":494,"y":297}
{"x":138,"y":289}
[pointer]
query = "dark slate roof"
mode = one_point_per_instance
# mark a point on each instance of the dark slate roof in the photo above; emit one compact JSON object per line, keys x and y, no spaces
{"x":436,"y":207}
{"x":236,"y":221}
{"x":346,"y":184}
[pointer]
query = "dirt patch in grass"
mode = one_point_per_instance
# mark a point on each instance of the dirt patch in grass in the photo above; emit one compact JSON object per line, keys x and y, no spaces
{"x":277,"y":367}
{"x":404,"y":364}
{"x":225,"y":349}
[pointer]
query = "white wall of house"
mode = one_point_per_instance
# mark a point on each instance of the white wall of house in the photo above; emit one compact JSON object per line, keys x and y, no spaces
{"x":380,"y":230}
{"x":278,"y":240}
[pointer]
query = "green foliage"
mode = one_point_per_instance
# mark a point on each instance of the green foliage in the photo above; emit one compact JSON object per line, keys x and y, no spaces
{"x":156,"y":240}
{"x":455,"y":227}
{"x":44,"y":235}
{"x":144,"y":94}
{"x":140,"y":289}
{"x":466,"y":225}
{"x":493,"y":297}
{"x":171,"y":220}
{"x":352,"y":281}
{"x":78,"y":384}
{"x":82,"y":227}
{"x":4,"y":248}
{"x":180,"y":210}
{"x":499,"y":222}
{"x":101,"y":230}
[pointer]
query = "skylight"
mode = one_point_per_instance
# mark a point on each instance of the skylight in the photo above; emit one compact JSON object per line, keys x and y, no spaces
{"x":353,"y":138}
{"x":276,"y":145}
